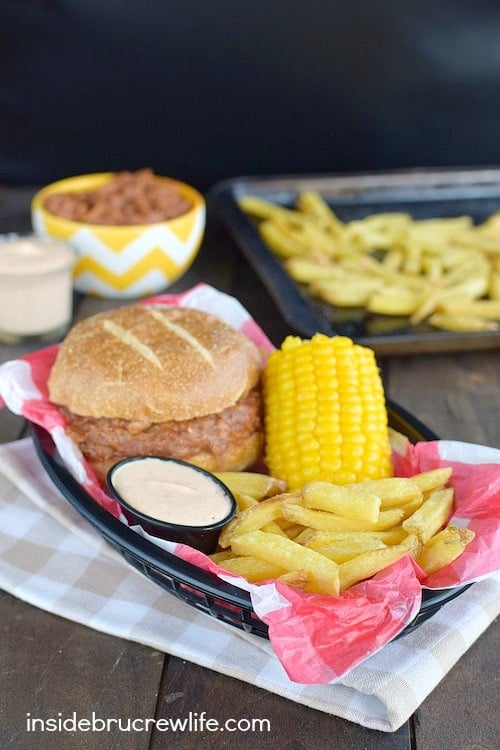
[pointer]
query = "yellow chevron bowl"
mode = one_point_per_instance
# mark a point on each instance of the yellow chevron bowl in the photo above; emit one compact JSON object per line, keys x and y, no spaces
{"x":124,"y":261}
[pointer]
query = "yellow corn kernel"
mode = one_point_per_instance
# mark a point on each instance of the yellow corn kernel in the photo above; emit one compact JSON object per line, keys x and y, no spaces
{"x":326,"y":416}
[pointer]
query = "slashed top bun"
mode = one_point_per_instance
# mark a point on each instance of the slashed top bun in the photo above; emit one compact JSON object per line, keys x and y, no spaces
{"x":154,"y":364}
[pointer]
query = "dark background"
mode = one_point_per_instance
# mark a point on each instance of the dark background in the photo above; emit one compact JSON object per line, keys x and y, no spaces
{"x":204,"y":90}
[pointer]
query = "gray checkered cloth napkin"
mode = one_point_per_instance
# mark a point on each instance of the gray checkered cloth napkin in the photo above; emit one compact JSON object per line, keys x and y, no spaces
{"x":51,"y":558}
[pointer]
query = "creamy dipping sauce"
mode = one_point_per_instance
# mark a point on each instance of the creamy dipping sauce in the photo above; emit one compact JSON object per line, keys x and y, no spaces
{"x":171,"y":492}
{"x":36,"y":291}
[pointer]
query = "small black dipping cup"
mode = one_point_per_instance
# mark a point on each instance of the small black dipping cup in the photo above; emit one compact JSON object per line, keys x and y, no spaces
{"x":203,"y":538}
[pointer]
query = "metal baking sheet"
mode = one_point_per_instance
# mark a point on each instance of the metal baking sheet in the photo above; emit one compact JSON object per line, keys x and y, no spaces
{"x":422,"y":194}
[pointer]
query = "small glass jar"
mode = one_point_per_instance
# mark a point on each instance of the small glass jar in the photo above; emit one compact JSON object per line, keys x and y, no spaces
{"x":36,"y":288}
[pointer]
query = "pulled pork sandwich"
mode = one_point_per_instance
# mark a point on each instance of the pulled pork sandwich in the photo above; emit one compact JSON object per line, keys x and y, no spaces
{"x":162,"y":381}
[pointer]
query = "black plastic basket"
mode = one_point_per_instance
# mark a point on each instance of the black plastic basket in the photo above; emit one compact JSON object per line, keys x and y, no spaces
{"x":204,"y":591}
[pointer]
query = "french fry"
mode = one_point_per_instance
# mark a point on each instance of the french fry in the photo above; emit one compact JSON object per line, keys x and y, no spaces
{"x":316,"y":539}
{"x":471,"y":286}
{"x":279,"y":239}
{"x":307,"y":534}
{"x":393,"y":280}
{"x":462,"y":323}
{"x":393,"y":301}
{"x":489,"y":309}
{"x":369,"y":563}
{"x":288,"y":526}
{"x":357,"y":293}
{"x":251,"y":483}
{"x":351,"y":501}
{"x":399,"y":442}
{"x":443,"y":548}
{"x":340,"y":552}
{"x":325,"y":521}
{"x":298,"y":236}
{"x":395,"y":535}
{"x":494,"y":285}
{"x":244,"y":501}
{"x":379,"y":230}
{"x":262,"y":209}
{"x":413,"y":260}
{"x":219,"y":557}
{"x":254,"y":569}
{"x":252,"y":518}
{"x":427,"y":305}
{"x":393,"y":259}
{"x":317,"y":519}
{"x":431,"y":516}
{"x":312,"y":204}
{"x":323,"y":573}
{"x":273,"y":527}
{"x":294,"y":531}
{"x":308,"y":270}
{"x":393,"y":491}
{"x":298,"y":579}
{"x":321,"y":243}
{"x":432,"y":269}
{"x":411,"y":506}
{"x":432,"y":480}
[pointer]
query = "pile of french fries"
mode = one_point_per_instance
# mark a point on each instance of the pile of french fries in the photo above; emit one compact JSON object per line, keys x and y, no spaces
{"x":324,"y":538}
{"x":444,"y":271}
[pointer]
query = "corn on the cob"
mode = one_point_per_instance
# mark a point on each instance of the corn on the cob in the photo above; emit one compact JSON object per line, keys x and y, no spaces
{"x":326,"y":415}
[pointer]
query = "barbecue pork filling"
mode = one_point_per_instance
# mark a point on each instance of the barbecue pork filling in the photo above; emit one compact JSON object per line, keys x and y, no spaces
{"x":213,"y":440}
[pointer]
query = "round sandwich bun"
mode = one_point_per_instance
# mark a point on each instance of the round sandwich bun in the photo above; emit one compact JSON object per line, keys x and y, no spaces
{"x":160,"y":380}
{"x":153,"y":363}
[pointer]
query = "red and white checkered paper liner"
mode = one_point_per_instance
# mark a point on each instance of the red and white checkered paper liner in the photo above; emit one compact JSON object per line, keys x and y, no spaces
{"x":317,"y":638}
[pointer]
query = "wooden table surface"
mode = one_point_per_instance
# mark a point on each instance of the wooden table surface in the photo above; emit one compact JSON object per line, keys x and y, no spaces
{"x":50,"y":665}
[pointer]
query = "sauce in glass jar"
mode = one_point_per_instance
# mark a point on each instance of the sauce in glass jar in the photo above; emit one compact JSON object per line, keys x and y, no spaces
{"x":36,"y":291}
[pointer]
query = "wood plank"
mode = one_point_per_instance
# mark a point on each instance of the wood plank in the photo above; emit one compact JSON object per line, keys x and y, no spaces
{"x":50,"y":665}
{"x":463,"y":710}
{"x":280,"y":723}
{"x":456,"y":395}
